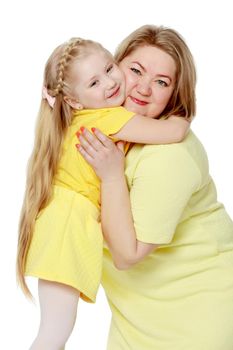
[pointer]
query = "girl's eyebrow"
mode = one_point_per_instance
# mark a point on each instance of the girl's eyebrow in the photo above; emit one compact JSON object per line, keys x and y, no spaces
{"x":94,"y":77}
{"x":159,"y":75}
{"x":97,"y":75}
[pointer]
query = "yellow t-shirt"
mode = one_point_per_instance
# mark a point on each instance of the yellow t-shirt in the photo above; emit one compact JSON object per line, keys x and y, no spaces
{"x":74,"y":172}
{"x":67,"y":242}
{"x":181,"y":295}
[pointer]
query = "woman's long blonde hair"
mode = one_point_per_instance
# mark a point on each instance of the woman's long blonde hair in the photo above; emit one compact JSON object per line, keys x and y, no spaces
{"x":182,"y":101}
{"x":50,"y":130}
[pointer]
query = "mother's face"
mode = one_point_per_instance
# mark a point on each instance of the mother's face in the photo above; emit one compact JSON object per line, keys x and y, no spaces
{"x":150,"y":80}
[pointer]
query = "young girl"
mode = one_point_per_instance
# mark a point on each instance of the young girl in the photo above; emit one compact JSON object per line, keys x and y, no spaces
{"x":60,"y":239}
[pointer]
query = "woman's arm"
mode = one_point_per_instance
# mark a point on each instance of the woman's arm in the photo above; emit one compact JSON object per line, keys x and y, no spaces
{"x":116,"y":217}
{"x":118,"y":227}
{"x":146,"y":130}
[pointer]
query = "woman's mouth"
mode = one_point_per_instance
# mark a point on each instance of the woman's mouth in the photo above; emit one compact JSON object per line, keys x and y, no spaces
{"x":138,"y":102}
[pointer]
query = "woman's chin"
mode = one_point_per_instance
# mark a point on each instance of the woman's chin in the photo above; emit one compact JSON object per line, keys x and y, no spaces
{"x":135,"y":108}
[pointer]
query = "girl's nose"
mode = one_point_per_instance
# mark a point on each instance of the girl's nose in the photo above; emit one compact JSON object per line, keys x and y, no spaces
{"x":111,"y":83}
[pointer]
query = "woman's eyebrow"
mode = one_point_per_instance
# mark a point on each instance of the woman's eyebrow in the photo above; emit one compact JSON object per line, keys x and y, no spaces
{"x":158,"y":75}
{"x":139,"y":65}
{"x":164,"y":76}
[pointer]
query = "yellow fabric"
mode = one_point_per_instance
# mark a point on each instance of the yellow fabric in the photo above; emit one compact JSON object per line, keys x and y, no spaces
{"x":73,"y":171}
{"x":181,"y":295}
{"x":67,"y":238}
{"x":67,"y":243}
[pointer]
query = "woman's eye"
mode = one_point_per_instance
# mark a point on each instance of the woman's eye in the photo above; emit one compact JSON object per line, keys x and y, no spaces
{"x":136,"y":71}
{"x":94,"y":83}
{"x":110,"y":68}
{"x":162,"y":82}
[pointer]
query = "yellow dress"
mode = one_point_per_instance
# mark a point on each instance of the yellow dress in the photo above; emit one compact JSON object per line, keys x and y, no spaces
{"x":180,"y":297}
{"x":67,"y":240}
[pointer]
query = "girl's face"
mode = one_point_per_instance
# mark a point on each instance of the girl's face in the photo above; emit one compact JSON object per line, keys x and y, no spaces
{"x":150,"y":80}
{"x":99,"y":83}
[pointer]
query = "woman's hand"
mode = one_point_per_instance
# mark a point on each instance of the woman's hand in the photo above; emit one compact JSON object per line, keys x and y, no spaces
{"x":106,"y":158}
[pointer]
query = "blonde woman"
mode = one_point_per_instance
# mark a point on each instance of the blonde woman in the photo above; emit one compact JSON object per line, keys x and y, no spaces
{"x":168,"y":261}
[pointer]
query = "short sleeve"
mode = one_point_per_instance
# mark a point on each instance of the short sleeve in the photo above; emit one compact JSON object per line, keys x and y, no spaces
{"x":165,"y":179}
{"x":112,"y":120}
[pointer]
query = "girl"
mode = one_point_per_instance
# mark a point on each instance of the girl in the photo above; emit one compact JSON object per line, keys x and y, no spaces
{"x":60,"y":240}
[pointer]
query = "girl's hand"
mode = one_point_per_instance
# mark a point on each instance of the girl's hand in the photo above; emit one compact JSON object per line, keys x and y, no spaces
{"x":102,"y":154}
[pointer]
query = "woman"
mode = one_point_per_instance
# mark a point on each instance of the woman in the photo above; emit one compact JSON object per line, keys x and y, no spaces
{"x":168,"y":271}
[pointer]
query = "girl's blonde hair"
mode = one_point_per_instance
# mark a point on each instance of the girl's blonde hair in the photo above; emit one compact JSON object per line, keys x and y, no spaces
{"x":50,"y":130}
{"x":182,"y":101}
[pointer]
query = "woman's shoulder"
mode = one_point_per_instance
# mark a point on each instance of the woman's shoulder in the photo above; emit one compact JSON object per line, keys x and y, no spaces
{"x":191,"y":145}
{"x":189,"y":151}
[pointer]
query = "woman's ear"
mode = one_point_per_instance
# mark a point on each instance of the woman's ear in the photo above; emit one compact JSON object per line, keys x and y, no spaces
{"x":73,"y":103}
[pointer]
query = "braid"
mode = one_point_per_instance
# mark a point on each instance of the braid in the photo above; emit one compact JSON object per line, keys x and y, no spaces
{"x":63,"y":62}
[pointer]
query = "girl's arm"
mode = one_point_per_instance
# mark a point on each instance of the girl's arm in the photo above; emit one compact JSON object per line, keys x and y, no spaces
{"x":147,"y":130}
{"x":116,"y":217}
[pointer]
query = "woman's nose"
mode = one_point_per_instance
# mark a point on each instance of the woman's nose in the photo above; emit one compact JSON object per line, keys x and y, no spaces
{"x":144,"y":87}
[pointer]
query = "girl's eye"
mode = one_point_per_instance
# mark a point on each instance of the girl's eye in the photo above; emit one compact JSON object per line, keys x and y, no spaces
{"x":135,"y":70}
{"x":162,"y":83}
{"x":94,"y":83}
{"x":110,"y":68}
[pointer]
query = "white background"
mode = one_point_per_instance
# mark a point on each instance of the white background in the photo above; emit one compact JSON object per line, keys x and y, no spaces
{"x":29,"y":31}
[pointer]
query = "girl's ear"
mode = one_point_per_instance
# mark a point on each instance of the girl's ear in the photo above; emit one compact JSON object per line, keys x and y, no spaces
{"x":73,"y":103}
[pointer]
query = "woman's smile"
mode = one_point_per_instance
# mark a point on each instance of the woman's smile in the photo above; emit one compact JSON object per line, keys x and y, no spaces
{"x":137,"y":101}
